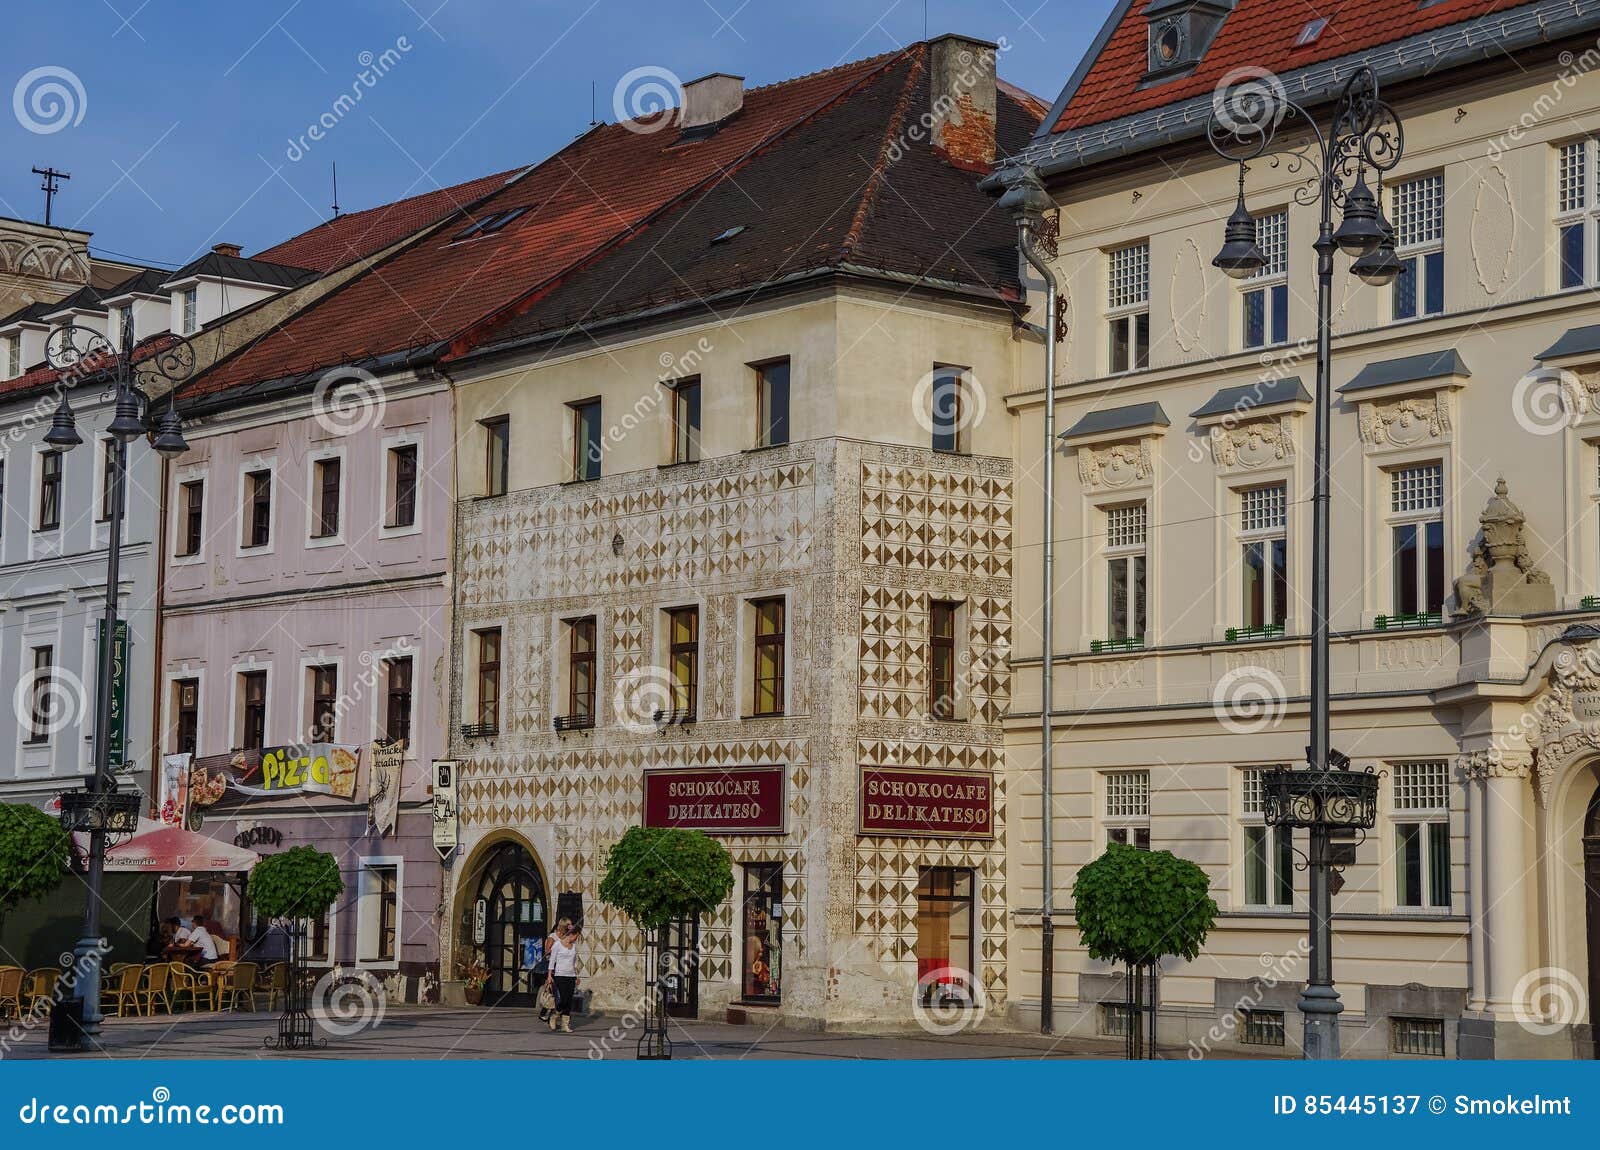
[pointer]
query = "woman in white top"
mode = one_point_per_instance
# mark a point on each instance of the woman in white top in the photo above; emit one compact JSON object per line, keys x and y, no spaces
{"x":563,"y":956}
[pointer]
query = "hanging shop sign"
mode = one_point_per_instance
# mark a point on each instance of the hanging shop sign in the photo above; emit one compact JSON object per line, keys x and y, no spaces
{"x":119,"y":688}
{"x":383,"y":800}
{"x":935,"y":804}
{"x":480,"y":921}
{"x":300,"y":769}
{"x":722,"y":800}
{"x":172,"y":796}
{"x":446,"y":835}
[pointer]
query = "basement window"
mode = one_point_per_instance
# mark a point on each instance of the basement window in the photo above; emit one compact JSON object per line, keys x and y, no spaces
{"x":489,"y":224}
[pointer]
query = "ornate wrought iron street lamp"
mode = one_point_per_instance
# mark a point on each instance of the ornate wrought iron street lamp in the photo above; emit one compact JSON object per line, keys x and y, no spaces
{"x":83,"y":358}
{"x":1325,"y":797}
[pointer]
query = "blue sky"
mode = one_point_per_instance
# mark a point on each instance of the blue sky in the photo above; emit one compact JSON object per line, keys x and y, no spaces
{"x":188,"y":130}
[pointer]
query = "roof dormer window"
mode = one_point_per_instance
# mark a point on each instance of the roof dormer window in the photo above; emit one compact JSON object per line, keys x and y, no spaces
{"x":1180,"y":33}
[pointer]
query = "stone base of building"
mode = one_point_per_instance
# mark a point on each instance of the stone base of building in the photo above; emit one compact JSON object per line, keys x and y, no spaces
{"x":1484,"y":1036}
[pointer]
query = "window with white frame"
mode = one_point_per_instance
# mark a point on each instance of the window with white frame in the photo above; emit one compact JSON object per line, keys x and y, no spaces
{"x":191,"y":311}
{"x":1266,"y":294}
{"x":1417,"y":210}
{"x":326,"y":496}
{"x":1125,"y":573}
{"x":13,"y":356}
{"x":1421,"y":818}
{"x":1416,"y":528}
{"x":1127,"y":817}
{"x":1264,"y":542}
{"x":1576,"y":215}
{"x":378,"y":911}
{"x":400,"y":482}
{"x":1128,"y":307}
{"x":1268,"y":851}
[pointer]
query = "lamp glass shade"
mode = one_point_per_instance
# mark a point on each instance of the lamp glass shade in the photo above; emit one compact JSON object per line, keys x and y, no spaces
{"x":1379,"y":267}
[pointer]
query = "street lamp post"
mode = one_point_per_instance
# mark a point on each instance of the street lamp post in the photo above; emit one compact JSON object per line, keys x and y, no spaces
{"x":83,"y":355}
{"x":1326,"y":797}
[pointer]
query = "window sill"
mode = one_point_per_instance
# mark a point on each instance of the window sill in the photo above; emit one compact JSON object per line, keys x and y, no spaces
{"x":318,"y":542}
{"x":398,"y":531}
{"x":764,"y":447}
{"x":489,"y":495}
{"x":576,"y":482}
{"x":672,"y":465}
{"x":764,"y":715}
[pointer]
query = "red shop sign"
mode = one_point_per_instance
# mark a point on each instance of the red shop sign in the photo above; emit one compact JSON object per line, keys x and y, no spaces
{"x":925,"y":803}
{"x":719,"y":801}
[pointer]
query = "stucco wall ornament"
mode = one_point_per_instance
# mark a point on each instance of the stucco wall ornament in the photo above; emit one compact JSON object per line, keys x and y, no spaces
{"x":1258,"y":443}
{"x":1565,"y":720}
{"x":1501,"y":577}
{"x":1404,"y":422}
{"x":1116,"y":465}
{"x":1496,"y":763}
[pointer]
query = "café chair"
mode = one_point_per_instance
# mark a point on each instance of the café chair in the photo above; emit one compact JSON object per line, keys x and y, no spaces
{"x":277,"y":983}
{"x":197,"y":984}
{"x":39,"y":985}
{"x":238,"y":981}
{"x":11,"y":991}
{"x":156,"y":986}
{"x":122,"y":989}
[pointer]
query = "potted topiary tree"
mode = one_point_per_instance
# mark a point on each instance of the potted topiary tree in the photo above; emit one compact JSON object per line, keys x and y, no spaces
{"x":35,"y":855}
{"x":300,"y":883}
{"x":657,"y":876}
{"x":1135,"y":907}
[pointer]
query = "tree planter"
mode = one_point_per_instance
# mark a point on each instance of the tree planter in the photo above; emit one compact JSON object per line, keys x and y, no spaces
{"x":473,"y":995}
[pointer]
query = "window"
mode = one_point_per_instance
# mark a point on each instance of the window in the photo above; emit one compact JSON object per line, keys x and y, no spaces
{"x":944,"y":937}
{"x":316,"y":937}
{"x":1417,"y":1036}
{"x":949,"y":408}
{"x":488,"y":679}
{"x":186,"y":726}
{"x":1261,"y":1027}
{"x":49,"y":490}
{"x":497,"y":455}
{"x":769,"y":654}
{"x":323,"y":722}
{"x":1263,"y":538}
{"x":378,"y":911}
{"x":397,"y":700}
{"x":772,"y":403}
{"x":587,"y":447}
{"x":191,"y":310}
{"x":191,"y":503}
{"x":489,"y":224}
{"x":683,"y":659}
{"x":1268,"y":851}
{"x":42,"y":703}
{"x":253,"y":709}
{"x":1417,"y":535}
{"x":108,"y":480}
{"x":942,"y":622}
{"x":1128,"y":808}
{"x":1418,"y":213}
{"x":1577,"y":210}
{"x":13,"y":356}
{"x":763,"y":932}
{"x":1266,"y":294}
{"x":402,"y":486}
{"x":581,"y":672}
{"x":257,"y":508}
{"x":1309,"y":35}
{"x":1422,"y":834}
{"x":1128,"y":308}
{"x":1125,"y":578}
{"x":325,"y":475}
{"x":685,"y":422}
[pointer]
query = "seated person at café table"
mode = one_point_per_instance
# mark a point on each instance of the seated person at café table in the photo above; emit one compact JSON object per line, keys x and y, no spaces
{"x":192,"y":944}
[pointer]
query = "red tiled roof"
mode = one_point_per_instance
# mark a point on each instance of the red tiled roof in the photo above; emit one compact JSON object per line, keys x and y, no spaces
{"x":589,"y":198}
{"x":354,"y":235}
{"x":1258,"y":33}
{"x":43,"y":376}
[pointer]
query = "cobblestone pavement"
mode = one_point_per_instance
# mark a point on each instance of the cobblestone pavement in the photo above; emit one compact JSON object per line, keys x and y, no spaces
{"x":410,"y":1032}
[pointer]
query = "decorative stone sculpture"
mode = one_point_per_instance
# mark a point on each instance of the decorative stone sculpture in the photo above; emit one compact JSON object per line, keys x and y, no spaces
{"x":1502,"y":578}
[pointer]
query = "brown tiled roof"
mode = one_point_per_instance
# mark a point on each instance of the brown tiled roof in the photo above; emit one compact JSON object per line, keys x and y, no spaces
{"x":1259,"y":34}
{"x":802,"y":166}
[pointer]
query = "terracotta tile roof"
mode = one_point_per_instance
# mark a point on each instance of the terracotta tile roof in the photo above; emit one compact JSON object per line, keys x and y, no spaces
{"x":603,"y":195}
{"x":43,"y":377}
{"x":355,"y":235}
{"x":1258,"y":33}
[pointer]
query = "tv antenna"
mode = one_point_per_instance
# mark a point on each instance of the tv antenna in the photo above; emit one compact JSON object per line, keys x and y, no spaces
{"x":336,"y":189}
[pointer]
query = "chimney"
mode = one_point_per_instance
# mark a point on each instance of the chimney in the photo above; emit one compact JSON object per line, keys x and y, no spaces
{"x":962,"y":92}
{"x":226,"y":250}
{"x":710,"y":100}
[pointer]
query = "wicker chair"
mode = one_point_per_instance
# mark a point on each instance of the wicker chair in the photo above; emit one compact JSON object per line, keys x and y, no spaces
{"x":11,"y":991}
{"x":197,"y":984}
{"x":122,"y":989}
{"x":156,"y":986}
{"x":238,"y":982}
{"x":39,"y":985}
{"x":276,"y":985}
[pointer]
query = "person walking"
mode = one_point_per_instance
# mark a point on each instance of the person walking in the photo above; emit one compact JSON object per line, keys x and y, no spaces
{"x":563,"y":958}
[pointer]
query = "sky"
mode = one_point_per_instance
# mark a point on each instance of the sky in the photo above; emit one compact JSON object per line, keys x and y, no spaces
{"x":186,"y":123}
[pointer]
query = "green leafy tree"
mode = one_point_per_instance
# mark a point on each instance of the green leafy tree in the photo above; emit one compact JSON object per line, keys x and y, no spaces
{"x":656,"y":875}
{"x":35,"y":855}
{"x":300,"y":882}
{"x":1136,"y":906}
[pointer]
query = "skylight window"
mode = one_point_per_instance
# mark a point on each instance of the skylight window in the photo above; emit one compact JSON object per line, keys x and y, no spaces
{"x":489,"y":224}
{"x":724,"y":237}
{"x":1312,"y":32}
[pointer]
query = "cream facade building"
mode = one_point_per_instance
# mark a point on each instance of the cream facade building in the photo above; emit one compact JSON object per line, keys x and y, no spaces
{"x":1463,"y":658}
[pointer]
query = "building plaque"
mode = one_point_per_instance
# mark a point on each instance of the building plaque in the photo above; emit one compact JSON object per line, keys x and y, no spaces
{"x":719,"y":801}
{"x":1586,"y":706}
{"x":926,"y":803}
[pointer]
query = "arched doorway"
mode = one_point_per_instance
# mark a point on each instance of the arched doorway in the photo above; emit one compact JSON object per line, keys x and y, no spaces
{"x":1591,"y":885}
{"x":514,"y":908}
